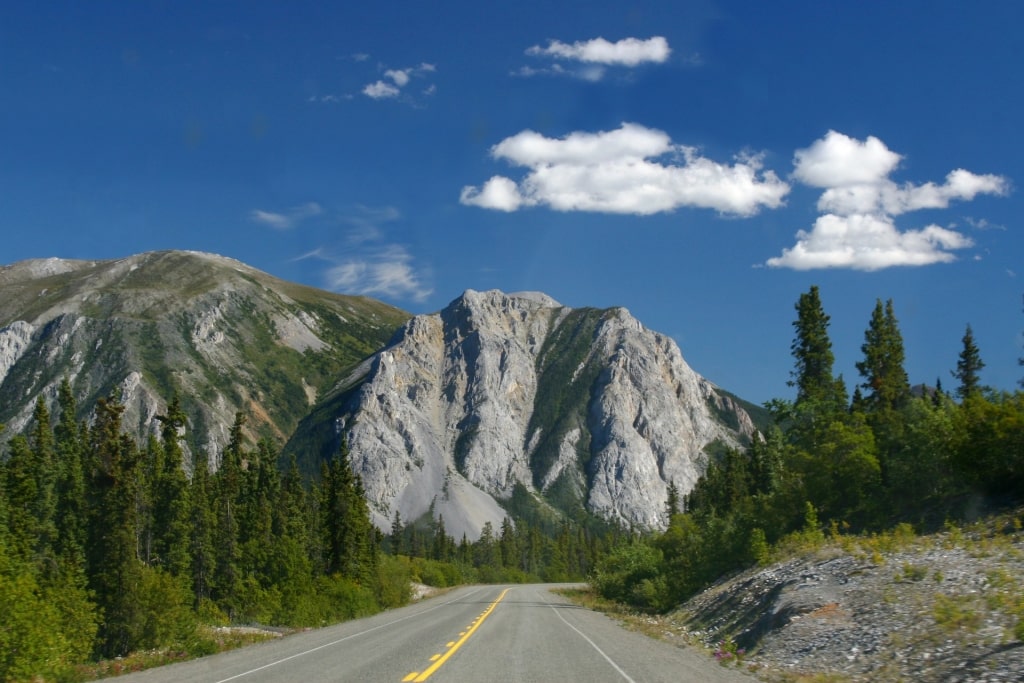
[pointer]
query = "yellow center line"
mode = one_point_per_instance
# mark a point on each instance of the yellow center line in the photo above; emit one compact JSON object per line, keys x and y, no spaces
{"x":465,"y":636}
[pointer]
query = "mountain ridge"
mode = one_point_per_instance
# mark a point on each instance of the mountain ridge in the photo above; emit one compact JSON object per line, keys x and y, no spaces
{"x":584,"y":409}
{"x":496,"y":400}
{"x":225,"y":335}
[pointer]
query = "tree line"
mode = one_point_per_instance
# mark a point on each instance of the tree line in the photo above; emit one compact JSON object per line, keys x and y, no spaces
{"x":110,"y":546}
{"x":888,"y":454}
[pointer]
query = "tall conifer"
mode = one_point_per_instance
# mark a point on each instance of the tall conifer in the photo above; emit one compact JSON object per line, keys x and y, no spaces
{"x":968,"y":366}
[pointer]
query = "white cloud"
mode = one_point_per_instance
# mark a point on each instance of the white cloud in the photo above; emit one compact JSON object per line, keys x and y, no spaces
{"x":885,"y":196}
{"x":380,"y":90}
{"x":387,"y":272}
{"x":857,"y":229}
{"x":840,"y":161}
{"x":287,"y":220}
{"x":868,"y":242}
{"x":631,"y":170}
{"x":399,"y":78}
{"x":498,"y":193}
{"x":626,"y":52}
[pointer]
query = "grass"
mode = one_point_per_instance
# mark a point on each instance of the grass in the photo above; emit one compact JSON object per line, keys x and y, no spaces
{"x":211,"y":640}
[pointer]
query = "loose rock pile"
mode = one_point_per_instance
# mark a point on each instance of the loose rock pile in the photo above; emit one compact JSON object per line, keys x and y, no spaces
{"x":947,"y":607}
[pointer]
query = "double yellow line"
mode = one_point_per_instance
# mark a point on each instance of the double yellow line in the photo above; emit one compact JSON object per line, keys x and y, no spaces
{"x":439,"y":660}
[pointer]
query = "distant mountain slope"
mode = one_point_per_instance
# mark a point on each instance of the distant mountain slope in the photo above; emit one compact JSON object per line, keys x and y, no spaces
{"x":225,"y":336}
{"x":501,"y":394}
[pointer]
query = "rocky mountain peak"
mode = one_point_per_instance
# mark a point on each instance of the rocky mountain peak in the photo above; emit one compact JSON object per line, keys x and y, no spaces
{"x":579,"y":408}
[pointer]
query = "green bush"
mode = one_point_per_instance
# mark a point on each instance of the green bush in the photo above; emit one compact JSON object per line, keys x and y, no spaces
{"x":344,"y":598}
{"x":622,"y":573}
{"x":393,"y":577}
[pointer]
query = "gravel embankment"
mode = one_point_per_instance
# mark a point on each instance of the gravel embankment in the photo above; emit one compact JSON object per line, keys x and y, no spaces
{"x":946,"y":607}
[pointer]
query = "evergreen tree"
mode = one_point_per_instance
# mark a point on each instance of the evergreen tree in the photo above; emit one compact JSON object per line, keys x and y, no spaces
{"x":227,"y":492}
{"x":114,"y":569}
{"x":812,"y":352}
{"x":882,"y":367}
{"x":508,"y":545}
{"x":170,"y":495}
{"x":397,"y":534}
{"x":968,"y":366}
{"x":202,"y":523}
{"x":886,"y":382}
{"x":45,"y":472}
{"x":673,"y":503}
{"x":70,"y":447}
{"x":22,"y":491}
{"x":441,"y":541}
{"x":350,"y":546}
{"x":485,"y":548}
{"x":293,"y":510}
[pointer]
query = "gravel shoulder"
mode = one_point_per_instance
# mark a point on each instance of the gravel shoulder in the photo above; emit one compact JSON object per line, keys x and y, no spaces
{"x":943,"y":607}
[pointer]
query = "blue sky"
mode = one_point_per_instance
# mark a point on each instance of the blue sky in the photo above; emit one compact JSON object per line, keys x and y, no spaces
{"x":699,"y":163}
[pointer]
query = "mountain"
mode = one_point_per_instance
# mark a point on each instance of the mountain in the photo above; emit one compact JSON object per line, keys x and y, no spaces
{"x":500,"y":402}
{"x":223,"y":335}
{"x":505,"y":400}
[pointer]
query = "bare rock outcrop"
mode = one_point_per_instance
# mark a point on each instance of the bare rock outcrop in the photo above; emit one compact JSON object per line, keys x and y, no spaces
{"x":500,"y":391}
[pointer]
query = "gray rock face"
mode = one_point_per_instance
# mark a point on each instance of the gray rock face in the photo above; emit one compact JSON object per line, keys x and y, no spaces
{"x":500,"y":391}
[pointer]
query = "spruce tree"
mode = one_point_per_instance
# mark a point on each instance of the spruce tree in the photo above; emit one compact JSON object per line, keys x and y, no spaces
{"x":202,"y":523}
{"x":227,"y":493}
{"x":70,"y":445}
{"x":350,"y":547}
{"x":44,"y":508}
{"x":882,"y":367}
{"x":170,"y":495}
{"x":812,"y":352}
{"x":114,"y":569}
{"x":22,"y":491}
{"x":968,"y":366}
{"x":672,"y":504}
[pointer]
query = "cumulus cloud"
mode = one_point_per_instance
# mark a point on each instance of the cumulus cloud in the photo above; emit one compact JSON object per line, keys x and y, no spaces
{"x":625,"y":52}
{"x":857,"y":227}
{"x":380,"y":90}
{"x":287,"y":220}
{"x":396,"y":79}
{"x":630,"y":170}
{"x":868,"y":242}
{"x":840,"y":161}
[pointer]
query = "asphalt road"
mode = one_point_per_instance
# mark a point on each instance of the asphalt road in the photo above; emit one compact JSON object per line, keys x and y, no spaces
{"x":520,"y":633}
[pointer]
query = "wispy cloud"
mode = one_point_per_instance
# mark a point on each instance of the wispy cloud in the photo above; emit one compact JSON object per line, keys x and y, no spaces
{"x":388,"y":271}
{"x":367,"y":264}
{"x":288,"y":219}
{"x":591,"y":58}
{"x":630,"y":170}
{"x":857,"y":228}
{"x":982,"y":224}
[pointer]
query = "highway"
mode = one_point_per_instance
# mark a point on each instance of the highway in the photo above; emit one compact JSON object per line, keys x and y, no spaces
{"x":521,"y":633}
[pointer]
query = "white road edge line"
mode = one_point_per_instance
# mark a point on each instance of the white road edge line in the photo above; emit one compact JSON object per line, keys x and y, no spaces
{"x":592,"y":643}
{"x":342,"y":640}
